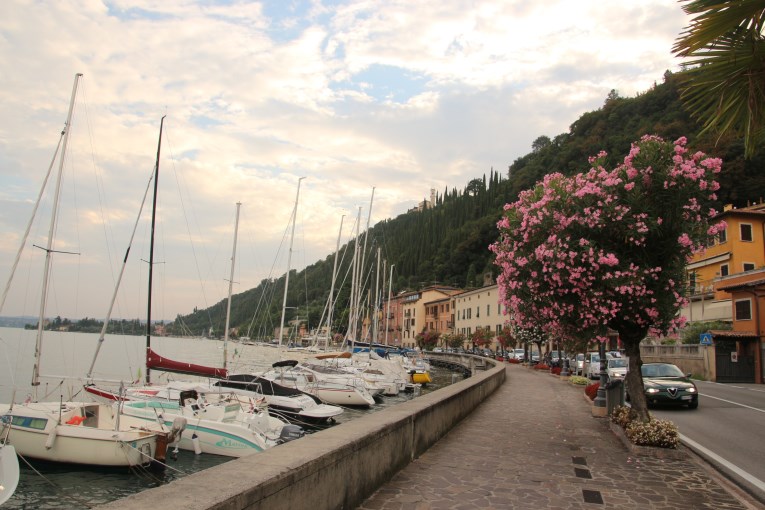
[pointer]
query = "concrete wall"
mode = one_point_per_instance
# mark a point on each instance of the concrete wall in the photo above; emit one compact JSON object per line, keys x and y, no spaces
{"x":696,"y":359}
{"x":335,"y":468}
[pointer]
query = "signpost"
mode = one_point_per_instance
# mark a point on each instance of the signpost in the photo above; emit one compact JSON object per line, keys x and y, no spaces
{"x":705,"y":339}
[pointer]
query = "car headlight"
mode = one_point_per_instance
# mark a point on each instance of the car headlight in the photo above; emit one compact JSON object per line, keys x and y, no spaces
{"x":651,"y":391}
{"x":691,"y":390}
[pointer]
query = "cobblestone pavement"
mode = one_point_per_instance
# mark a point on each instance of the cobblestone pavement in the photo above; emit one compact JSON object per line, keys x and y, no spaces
{"x":535,"y":444}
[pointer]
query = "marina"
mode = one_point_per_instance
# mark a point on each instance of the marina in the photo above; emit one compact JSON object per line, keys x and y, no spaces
{"x":51,"y":486}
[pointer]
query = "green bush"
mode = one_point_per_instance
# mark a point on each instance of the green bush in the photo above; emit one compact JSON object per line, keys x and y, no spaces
{"x":578,"y":380}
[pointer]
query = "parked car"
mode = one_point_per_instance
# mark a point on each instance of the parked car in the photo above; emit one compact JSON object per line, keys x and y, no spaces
{"x":591,"y":368}
{"x":616,"y":368}
{"x":665,"y":383}
{"x":578,"y":366}
{"x":534,"y":358}
{"x":518,"y":354}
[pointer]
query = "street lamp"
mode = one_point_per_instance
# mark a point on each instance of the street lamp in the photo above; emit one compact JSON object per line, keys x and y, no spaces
{"x":600,"y":399}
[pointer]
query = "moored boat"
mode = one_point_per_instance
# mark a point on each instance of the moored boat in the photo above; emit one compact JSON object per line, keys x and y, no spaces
{"x":78,"y":433}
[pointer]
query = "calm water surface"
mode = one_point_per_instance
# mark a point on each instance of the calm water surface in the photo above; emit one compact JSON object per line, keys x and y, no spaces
{"x":67,"y":357}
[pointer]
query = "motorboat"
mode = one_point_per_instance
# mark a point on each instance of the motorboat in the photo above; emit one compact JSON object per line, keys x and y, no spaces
{"x":214,"y":426}
{"x":290,"y":402}
{"x":337,"y":389}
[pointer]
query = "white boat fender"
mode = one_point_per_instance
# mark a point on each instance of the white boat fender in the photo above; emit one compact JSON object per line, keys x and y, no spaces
{"x":179,"y":425}
{"x":195,"y":442}
{"x":51,"y":438}
{"x":9,"y":472}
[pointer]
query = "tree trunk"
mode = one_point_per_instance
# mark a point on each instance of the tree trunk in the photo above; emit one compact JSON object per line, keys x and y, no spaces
{"x":634,"y":378}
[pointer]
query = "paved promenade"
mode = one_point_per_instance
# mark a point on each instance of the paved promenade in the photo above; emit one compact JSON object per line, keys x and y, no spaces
{"x":535,"y":444}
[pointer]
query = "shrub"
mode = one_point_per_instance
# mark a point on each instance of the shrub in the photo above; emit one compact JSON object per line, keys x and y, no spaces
{"x":514,"y":361}
{"x":661,"y":433}
{"x":555,"y":370}
{"x":541,"y":366}
{"x":578,"y":380}
{"x":623,"y":415}
{"x":592,"y":390}
{"x":658,"y":433}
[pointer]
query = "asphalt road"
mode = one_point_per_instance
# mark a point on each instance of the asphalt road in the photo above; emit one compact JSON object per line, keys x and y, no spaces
{"x":727,"y":430}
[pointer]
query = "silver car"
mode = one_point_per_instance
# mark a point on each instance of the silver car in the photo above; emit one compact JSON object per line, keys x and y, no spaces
{"x":592,"y":365}
{"x":616,"y":368}
{"x":578,"y":365}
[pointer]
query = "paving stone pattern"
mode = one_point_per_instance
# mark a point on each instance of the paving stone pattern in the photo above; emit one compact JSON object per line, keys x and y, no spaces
{"x":535,"y":444}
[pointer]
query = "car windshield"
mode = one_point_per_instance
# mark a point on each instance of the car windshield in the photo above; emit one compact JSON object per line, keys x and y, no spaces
{"x":661,"y":370}
{"x":617,"y":363}
{"x":580,"y":357}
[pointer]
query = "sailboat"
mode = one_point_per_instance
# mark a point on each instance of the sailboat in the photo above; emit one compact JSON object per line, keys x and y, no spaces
{"x":72,"y":432}
{"x":208,"y":420}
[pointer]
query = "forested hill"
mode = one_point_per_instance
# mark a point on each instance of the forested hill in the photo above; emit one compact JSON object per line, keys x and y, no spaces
{"x":447,"y":244}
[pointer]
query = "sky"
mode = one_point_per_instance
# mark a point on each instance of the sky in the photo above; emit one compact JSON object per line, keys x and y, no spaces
{"x":371,"y":102}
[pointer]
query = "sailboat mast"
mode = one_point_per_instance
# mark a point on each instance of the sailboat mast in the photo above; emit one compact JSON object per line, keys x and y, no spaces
{"x":354,"y":283}
{"x":331,"y":304}
{"x":376,"y":306}
{"x":390,"y":295}
{"x":49,"y":247}
{"x":289,"y":261}
{"x":230,"y":285}
{"x":151,"y":249}
{"x":363,"y":257}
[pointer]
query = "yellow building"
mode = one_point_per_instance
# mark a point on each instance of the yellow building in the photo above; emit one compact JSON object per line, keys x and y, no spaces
{"x":740,"y":248}
{"x":414,"y":311}
{"x":478,"y":309}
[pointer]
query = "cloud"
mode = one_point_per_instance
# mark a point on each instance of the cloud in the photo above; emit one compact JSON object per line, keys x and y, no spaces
{"x":400,"y":96}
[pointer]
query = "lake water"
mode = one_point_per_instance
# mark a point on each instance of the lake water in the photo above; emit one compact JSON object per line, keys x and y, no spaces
{"x":66,"y":359}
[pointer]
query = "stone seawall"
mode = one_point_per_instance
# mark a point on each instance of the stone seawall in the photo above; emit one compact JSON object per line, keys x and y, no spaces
{"x":335,"y":468}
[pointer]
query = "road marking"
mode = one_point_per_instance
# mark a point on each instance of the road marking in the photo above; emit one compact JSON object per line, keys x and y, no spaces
{"x":734,"y":403}
{"x":728,"y":385}
{"x":737,"y":470}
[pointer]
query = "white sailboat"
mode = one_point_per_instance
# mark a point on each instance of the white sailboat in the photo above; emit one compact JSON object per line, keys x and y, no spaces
{"x":72,"y":432}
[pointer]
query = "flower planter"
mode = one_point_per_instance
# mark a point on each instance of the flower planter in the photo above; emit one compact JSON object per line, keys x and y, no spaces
{"x":647,"y":451}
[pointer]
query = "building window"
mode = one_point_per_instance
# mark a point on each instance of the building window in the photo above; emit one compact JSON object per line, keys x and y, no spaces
{"x":488,"y":310}
{"x":743,"y":309}
{"x":723,"y":269}
{"x":477,"y":311}
{"x":723,"y":235}
{"x":746,"y":232}
{"x":748,"y":266}
{"x":692,"y":283}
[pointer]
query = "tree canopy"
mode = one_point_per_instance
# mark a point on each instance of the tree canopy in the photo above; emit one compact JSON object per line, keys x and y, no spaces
{"x":607,"y":248}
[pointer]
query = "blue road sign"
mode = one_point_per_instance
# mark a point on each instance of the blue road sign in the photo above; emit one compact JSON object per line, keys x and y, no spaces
{"x":705,"y":339}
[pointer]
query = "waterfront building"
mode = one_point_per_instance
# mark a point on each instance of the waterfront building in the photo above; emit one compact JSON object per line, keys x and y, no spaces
{"x":478,"y":308}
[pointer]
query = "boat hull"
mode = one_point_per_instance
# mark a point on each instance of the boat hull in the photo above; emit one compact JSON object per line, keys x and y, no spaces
{"x":230,"y":439}
{"x":36,"y":434}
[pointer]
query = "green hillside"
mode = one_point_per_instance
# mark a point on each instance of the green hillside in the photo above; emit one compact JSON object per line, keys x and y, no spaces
{"x":447,"y":244}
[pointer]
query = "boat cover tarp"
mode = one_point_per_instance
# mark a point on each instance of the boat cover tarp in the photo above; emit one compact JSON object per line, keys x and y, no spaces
{"x":156,"y":362}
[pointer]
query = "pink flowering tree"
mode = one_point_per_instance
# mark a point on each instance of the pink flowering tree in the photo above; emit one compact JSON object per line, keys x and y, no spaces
{"x":608,"y":248}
